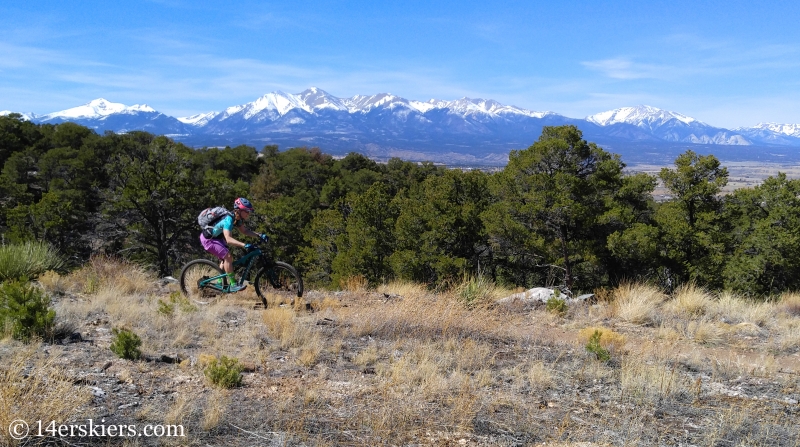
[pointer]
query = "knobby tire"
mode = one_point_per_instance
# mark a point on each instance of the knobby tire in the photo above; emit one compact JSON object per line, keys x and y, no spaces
{"x":280,"y":280}
{"x":192,"y":272}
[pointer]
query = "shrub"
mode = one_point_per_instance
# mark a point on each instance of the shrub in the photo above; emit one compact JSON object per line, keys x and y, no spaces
{"x":475,"y":290}
{"x":126,"y":344}
{"x":596,"y":348}
{"x":224,"y":372}
{"x":25,"y":310}
{"x":27,"y":260}
{"x":556,"y":304}
{"x":176,"y":300}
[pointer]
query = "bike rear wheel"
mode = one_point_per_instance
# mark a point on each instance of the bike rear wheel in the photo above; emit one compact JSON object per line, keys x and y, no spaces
{"x":279,"y":282}
{"x":195,"y":271}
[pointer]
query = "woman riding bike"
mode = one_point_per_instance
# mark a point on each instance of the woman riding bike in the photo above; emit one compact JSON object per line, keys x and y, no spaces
{"x":221,"y":238}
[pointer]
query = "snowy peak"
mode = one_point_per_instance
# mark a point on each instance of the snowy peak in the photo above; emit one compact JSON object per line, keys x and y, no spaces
{"x":468,"y":106}
{"x":363,"y":103}
{"x":316,"y":99}
{"x":640,"y":116}
{"x":313,"y":100}
{"x":792,"y":130}
{"x":98,"y":108}
{"x":198,"y":120}
{"x":25,"y":116}
{"x":275,"y":104}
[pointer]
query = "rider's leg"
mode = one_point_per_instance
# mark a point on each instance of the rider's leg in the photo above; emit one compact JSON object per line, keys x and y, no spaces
{"x":227,"y":267}
{"x":227,"y":263}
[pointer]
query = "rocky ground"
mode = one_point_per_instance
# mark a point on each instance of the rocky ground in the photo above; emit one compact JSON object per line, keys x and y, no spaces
{"x":401,"y":366}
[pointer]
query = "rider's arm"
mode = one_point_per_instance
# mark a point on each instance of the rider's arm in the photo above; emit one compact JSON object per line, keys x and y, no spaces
{"x":231,"y":240}
{"x":246,"y":231}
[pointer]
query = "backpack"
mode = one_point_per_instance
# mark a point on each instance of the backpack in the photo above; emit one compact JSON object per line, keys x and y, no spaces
{"x":209,"y":217}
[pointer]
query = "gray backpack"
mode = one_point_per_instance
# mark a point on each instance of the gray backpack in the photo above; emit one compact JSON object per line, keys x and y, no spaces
{"x":209,"y":217}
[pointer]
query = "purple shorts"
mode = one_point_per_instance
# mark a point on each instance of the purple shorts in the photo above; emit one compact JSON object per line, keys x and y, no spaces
{"x":216,"y":247}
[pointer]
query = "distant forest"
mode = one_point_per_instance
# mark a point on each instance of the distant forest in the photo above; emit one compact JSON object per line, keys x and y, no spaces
{"x":562,"y":212}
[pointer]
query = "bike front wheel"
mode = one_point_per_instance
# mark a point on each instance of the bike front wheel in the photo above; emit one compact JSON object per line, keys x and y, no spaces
{"x":196,"y":271}
{"x":278,"y":282}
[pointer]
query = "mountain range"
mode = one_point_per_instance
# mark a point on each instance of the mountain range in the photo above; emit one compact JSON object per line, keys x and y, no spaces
{"x":463,"y":131}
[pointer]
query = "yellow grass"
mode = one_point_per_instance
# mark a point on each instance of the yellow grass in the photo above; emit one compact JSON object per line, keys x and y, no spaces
{"x":637,"y":303}
{"x":790,"y":304}
{"x":357,"y":283}
{"x":613,"y":341}
{"x":114,"y":275}
{"x":690,"y":300}
{"x":734,"y":309}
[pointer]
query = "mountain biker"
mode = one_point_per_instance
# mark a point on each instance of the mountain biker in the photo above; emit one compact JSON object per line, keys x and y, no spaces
{"x":221,"y":238}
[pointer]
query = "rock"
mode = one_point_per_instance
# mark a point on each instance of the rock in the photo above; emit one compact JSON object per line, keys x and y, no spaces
{"x":170,"y":358}
{"x":587,"y":298}
{"x":168,"y":280}
{"x":539,"y":295}
{"x":530,"y":297}
{"x":74,"y":337}
{"x":98,"y":392}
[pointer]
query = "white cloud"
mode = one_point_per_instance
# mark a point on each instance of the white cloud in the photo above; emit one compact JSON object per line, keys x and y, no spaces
{"x":625,"y":69}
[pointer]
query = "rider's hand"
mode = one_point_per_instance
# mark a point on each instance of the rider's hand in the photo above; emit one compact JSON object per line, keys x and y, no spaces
{"x":264,"y":237}
{"x":248,"y":247}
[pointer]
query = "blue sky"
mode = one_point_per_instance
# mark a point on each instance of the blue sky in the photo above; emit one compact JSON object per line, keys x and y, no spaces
{"x":728,"y":63}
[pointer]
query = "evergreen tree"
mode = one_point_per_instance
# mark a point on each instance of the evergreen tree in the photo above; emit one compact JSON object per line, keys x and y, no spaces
{"x":765,"y":255}
{"x":692,"y":231}
{"x":550,"y":198}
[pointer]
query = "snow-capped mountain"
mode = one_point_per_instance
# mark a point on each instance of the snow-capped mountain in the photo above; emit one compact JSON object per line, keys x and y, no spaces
{"x":793,"y":130}
{"x":25,"y":116}
{"x":668,"y":126}
{"x":97,"y":109}
{"x":772,"y":133}
{"x":640,"y":116}
{"x":381,"y":124}
{"x":103,"y":115}
{"x":199,"y":120}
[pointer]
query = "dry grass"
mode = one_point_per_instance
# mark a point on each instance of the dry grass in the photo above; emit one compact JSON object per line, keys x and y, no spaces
{"x":404,"y":289}
{"x":52,"y":282}
{"x":33,"y":387}
{"x":402,"y":365}
{"x":182,"y":409}
{"x":357,"y":283}
{"x":637,"y":303}
{"x":790,"y":304}
{"x":704,"y":332}
{"x":647,"y":379}
{"x":733,"y":309}
{"x":215,"y":409}
{"x":112,"y":275}
{"x":690,"y":301}
{"x":787,"y":337}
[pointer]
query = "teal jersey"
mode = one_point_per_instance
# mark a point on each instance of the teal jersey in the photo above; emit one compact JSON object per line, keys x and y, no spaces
{"x":226,"y":223}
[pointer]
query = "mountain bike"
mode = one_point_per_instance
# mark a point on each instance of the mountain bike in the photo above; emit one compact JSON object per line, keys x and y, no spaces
{"x":202,"y":278}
